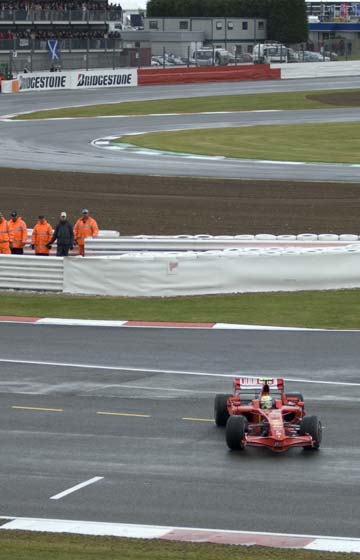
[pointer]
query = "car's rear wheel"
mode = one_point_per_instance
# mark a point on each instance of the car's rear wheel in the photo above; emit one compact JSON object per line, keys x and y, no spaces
{"x":311,"y":425}
{"x":221,"y":413}
{"x":235,"y":432}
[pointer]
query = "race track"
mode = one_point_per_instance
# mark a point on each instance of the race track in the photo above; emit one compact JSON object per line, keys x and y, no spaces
{"x":170,"y":465}
{"x":66,"y":145}
{"x":161,"y":458}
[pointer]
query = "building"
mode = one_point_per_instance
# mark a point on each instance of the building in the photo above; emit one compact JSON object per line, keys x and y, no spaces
{"x":238,"y":35}
{"x":334,"y":26}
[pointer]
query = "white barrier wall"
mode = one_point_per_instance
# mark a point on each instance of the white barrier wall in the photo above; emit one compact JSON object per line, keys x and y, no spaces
{"x":212,"y":272}
{"x":250,"y":269}
{"x":318,"y":69}
{"x":77,"y":79}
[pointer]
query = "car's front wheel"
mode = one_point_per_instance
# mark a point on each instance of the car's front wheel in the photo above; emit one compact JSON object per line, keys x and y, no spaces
{"x":235,"y":432}
{"x":221,"y":413}
{"x":311,"y":425}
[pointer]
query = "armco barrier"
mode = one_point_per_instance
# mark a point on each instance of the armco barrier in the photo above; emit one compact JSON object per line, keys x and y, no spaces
{"x":31,"y":273}
{"x":106,"y":246}
{"x":212,"y":272}
{"x":158,"y":76}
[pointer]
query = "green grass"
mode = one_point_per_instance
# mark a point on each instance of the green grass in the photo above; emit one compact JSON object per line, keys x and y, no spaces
{"x":242,"y":102}
{"x":327,"y":143}
{"x":323,"y":309}
{"x":19,"y":545}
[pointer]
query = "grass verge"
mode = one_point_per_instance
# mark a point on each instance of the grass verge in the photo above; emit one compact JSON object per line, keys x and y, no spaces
{"x":21,"y":545}
{"x":242,"y":102}
{"x":326,"y":143}
{"x":338,"y":309}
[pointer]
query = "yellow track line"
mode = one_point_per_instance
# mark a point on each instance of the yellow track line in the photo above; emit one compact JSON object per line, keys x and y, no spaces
{"x":124,"y":414}
{"x":198,"y":419}
{"x":37,"y":408}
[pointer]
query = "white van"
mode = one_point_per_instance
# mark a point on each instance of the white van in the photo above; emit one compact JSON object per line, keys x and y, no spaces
{"x":264,"y":53}
{"x":207,"y":56}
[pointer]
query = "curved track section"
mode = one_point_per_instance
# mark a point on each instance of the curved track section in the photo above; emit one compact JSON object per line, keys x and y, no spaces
{"x":66,"y":144}
{"x":130,"y":406}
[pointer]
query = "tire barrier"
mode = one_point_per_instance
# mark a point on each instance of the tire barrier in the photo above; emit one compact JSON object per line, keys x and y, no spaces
{"x":122,"y":244}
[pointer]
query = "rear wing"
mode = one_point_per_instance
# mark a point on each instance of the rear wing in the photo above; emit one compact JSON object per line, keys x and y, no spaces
{"x":276,"y":383}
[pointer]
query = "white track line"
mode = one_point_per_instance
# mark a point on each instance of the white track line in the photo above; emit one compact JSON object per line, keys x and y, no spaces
{"x":169,"y":371}
{"x":77,"y":487}
{"x":310,"y":542}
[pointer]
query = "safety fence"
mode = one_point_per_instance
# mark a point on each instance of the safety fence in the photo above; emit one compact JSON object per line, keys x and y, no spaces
{"x":172,"y":273}
{"x":114,"y":246}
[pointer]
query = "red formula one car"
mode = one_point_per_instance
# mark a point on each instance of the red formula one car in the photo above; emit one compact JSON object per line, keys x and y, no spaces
{"x":260,"y":413}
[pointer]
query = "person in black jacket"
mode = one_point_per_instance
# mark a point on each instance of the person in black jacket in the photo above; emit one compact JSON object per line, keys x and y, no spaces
{"x":64,"y":235}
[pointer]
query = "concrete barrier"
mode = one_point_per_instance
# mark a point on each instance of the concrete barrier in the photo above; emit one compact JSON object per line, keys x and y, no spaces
{"x":318,"y":69}
{"x":158,"y":76}
{"x":10,"y":86}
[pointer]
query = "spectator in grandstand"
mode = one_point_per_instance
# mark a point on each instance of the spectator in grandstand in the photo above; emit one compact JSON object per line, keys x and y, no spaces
{"x":86,"y":226}
{"x":18,"y":234}
{"x":4,"y":236}
{"x":64,"y":235}
{"x":41,"y":236}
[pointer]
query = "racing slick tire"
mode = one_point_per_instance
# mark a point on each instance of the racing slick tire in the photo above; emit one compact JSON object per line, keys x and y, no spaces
{"x":295,"y":395}
{"x":311,"y":425}
{"x":235,"y":432}
{"x":221,"y":413}
{"x":289,"y":417}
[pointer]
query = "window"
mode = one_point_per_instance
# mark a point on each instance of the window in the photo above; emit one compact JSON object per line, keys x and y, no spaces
{"x":183,"y":25}
{"x":230,"y":25}
{"x":153,"y":24}
{"x":219,"y":25}
{"x":261,"y":25}
{"x":244,"y":25}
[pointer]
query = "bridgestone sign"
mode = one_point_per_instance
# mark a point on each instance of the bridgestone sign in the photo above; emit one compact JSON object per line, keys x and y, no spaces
{"x":44,"y":81}
{"x":105,"y":80}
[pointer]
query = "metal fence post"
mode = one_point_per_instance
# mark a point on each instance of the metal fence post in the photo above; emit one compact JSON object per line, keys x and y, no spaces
{"x":87,"y":53}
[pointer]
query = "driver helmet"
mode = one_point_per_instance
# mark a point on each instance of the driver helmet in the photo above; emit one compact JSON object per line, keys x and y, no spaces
{"x":266,"y":401}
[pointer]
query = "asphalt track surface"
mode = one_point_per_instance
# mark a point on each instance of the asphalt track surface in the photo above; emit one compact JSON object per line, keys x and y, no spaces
{"x":66,"y":145}
{"x":161,"y":458}
{"x":170,"y":465}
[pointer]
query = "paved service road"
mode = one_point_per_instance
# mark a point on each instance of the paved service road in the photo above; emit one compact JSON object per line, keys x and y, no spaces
{"x":66,"y":145}
{"x":162,"y":460}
